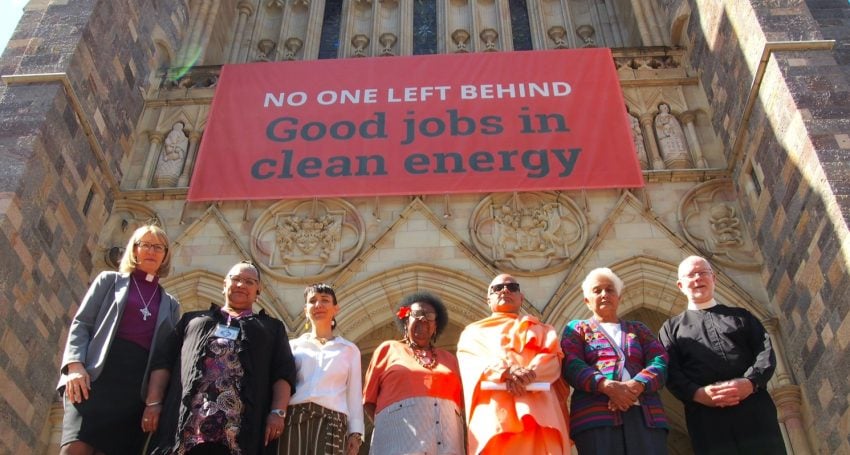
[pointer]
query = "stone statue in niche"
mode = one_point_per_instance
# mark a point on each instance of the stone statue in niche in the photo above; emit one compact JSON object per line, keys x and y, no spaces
{"x":725,"y":226}
{"x":671,"y":139}
{"x":173,"y":155}
{"x":637,"y":137}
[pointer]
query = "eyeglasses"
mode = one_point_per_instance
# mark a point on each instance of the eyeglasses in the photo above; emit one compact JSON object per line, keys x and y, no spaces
{"x":698,"y":273}
{"x":429,"y":316}
{"x":242,"y":281}
{"x":148,"y":247}
{"x":512,"y":287}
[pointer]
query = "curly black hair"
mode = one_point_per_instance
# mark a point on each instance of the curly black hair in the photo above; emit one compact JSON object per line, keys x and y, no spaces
{"x":424,"y":297}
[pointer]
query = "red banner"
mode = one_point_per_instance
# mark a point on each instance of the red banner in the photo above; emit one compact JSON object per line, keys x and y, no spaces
{"x":471,"y":123}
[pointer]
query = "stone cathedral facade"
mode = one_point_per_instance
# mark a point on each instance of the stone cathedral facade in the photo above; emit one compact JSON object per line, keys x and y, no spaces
{"x":739,"y":117}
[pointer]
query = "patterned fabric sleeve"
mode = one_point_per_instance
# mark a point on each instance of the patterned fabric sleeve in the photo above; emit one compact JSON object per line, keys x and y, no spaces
{"x":654,"y":374}
{"x":578,"y":373}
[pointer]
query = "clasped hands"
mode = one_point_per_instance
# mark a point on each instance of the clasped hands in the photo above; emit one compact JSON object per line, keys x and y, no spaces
{"x":725,"y":393}
{"x":516,"y":379}
{"x":621,"y":395}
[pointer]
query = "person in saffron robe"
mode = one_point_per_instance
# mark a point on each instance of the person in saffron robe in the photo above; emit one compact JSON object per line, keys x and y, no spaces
{"x":720,"y":361}
{"x":510,"y":365}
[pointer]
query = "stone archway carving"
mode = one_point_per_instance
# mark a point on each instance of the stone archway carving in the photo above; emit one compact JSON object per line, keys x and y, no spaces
{"x":526,"y":233}
{"x":196,"y":290}
{"x":651,"y":284}
{"x":126,"y":217}
{"x":369,"y":304}
{"x":307,"y":240}
{"x":711,"y":219}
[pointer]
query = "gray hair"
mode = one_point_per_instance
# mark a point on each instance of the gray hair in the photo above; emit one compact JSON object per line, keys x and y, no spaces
{"x":586,"y":285}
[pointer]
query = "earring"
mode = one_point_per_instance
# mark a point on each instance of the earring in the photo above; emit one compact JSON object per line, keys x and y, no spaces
{"x":307,"y":325}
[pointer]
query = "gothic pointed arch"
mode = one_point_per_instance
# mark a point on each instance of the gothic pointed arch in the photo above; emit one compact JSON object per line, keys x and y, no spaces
{"x":197,"y":289}
{"x":126,"y":217}
{"x":370,"y":304}
{"x":214,"y":226}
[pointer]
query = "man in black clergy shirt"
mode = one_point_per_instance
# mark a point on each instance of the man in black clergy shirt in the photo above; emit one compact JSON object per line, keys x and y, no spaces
{"x":720,"y":361}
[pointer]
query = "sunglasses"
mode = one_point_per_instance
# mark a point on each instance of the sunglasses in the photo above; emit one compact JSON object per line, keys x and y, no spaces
{"x":512,"y":287}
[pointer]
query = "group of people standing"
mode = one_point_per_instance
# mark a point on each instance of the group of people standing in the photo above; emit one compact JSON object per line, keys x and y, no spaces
{"x":228,"y":380}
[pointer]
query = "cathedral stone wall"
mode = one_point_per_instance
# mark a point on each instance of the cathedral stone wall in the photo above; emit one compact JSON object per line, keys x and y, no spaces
{"x":85,"y":108}
{"x":70,"y":100}
{"x":791,"y":172}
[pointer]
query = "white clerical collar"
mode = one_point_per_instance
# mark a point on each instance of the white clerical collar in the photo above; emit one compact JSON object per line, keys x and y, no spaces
{"x":702,"y":306}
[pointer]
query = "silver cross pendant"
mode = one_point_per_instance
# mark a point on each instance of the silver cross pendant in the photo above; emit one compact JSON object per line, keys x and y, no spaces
{"x":145,"y":313}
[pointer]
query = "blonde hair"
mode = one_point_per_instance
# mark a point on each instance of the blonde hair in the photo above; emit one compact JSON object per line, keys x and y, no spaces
{"x":129,"y":261}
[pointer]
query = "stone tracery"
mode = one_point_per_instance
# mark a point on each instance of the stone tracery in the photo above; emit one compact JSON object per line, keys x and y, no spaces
{"x":529,"y":231}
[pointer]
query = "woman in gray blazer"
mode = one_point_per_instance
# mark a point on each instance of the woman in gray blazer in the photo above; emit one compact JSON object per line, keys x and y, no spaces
{"x":106,"y":359}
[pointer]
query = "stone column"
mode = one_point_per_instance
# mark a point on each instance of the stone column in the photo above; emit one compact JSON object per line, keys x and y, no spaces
{"x":786,"y":395}
{"x":781,"y":375}
{"x":193,"y":34}
{"x":789,"y":402}
{"x":206,"y":29}
{"x":693,"y":142}
{"x":652,"y":15}
{"x":150,"y":163}
{"x":640,"y":18}
{"x":191,"y":154}
{"x":245,"y":10}
{"x":54,"y":418}
{"x":647,"y":125}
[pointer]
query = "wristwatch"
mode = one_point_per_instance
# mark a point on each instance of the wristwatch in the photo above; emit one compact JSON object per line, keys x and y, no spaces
{"x":279,"y":412}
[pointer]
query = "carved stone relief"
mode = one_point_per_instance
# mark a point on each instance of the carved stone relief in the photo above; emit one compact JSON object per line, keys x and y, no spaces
{"x":711,"y":219}
{"x":126,"y":217}
{"x":489,"y":37}
{"x":637,"y":138}
{"x":307,"y":239}
{"x":558,"y":35}
{"x":460,"y":38}
{"x":528,"y":232}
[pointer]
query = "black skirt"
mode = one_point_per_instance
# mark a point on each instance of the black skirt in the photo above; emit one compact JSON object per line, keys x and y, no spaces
{"x":111,"y":419}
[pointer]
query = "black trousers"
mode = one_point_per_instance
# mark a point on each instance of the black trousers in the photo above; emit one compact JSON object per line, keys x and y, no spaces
{"x":750,"y":428}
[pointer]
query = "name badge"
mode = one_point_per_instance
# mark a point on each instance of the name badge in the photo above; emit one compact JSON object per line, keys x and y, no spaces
{"x":226,"y":331}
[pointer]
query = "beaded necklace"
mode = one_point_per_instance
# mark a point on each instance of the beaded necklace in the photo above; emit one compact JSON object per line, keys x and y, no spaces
{"x":424,"y":356}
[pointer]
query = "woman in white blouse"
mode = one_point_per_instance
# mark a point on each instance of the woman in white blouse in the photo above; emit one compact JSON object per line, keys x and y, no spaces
{"x":325,"y":415}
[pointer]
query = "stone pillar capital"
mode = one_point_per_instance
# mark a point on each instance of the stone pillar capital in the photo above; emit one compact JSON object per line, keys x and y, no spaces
{"x":245,"y":8}
{"x":688,"y":116}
